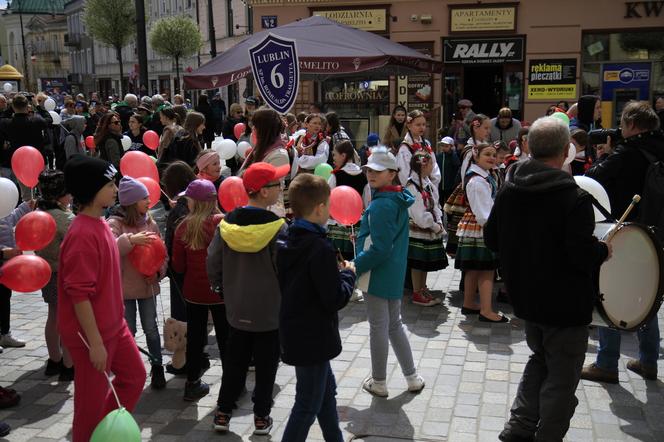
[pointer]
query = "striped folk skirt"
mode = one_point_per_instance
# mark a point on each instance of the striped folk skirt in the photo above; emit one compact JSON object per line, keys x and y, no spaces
{"x":426,"y":255}
{"x":340,"y":237}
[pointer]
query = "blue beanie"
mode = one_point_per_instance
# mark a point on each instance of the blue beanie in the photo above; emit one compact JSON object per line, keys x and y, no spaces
{"x":372,"y":139}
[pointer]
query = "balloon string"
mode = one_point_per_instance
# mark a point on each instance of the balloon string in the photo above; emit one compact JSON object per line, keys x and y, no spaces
{"x":352,"y":233}
{"x":108,"y":378}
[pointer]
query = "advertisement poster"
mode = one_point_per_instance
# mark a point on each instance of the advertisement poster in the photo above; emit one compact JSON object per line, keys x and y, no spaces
{"x":552,"y":79}
{"x":482,"y":50}
{"x":415,"y":91}
{"x":617,"y":76}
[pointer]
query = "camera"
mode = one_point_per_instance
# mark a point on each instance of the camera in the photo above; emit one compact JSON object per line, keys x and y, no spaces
{"x":599,"y":136}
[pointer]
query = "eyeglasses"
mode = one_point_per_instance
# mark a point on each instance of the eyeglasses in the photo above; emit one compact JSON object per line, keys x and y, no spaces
{"x":115,"y":122}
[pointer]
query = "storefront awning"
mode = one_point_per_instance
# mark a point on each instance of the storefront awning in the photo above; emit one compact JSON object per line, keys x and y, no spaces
{"x":325,"y":48}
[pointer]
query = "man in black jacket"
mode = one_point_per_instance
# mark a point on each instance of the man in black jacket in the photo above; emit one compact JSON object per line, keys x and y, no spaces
{"x":542,"y":227}
{"x":623,"y":174}
{"x":21,"y":130}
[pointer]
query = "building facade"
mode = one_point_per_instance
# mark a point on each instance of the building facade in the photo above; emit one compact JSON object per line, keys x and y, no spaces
{"x":525,"y":55}
{"x":35,"y":35}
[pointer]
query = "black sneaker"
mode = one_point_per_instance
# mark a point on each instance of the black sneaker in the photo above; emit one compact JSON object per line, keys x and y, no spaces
{"x":263,"y":425}
{"x":222,"y":421}
{"x":66,"y":374}
{"x":176,"y":371}
{"x":158,"y":381}
{"x":5,"y":429}
{"x":53,"y":368}
{"x":193,"y":391}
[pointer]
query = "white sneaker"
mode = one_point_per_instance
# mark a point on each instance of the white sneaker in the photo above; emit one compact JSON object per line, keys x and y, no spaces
{"x":377,"y":388}
{"x":9,"y":341}
{"x":415,"y":383}
{"x":357,"y":296}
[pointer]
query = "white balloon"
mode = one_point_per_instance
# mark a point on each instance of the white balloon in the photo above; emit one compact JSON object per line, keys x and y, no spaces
{"x":226,"y":149}
{"x":49,"y":104}
{"x":595,"y":189}
{"x":57,"y":119}
{"x":126,"y":142}
{"x":571,"y":154}
{"x":8,"y":196}
{"x":242,"y":148}
{"x":7,"y":87}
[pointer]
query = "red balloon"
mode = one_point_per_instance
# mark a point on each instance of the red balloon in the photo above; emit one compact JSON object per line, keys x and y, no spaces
{"x":149,"y":258}
{"x":232,"y":193}
{"x":151,"y":139}
{"x":27,"y":164}
{"x":25,"y":273}
{"x":153,"y":189}
{"x":35,"y":230}
{"x":346,"y":205}
{"x":239,"y":129}
{"x":137,"y":164}
{"x":90,"y":142}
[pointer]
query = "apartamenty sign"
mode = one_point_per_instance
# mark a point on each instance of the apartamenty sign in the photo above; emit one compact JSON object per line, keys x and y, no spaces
{"x":483,"y":50}
{"x":495,"y":17}
{"x":374,"y":20}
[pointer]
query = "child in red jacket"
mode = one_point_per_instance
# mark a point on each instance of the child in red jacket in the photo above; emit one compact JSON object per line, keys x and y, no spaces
{"x":190,"y":245}
{"x":90,"y":303}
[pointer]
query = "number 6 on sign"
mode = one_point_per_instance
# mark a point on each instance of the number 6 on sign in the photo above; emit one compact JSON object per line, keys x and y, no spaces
{"x":276,"y":77}
{"x":276,"y":70}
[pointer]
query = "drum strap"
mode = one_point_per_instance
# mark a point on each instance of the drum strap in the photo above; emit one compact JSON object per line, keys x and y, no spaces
{"x":602,"y":210}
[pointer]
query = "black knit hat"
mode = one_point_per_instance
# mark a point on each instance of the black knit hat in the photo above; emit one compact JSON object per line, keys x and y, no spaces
{"x":52,"y":184}
{"x":85,"y":176}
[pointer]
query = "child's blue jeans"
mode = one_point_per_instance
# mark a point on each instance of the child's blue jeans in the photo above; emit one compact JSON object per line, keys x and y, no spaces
{"x":148,"y":312}
{"x":314,"y":398}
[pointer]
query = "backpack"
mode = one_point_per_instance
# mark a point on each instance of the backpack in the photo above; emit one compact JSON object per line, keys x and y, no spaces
{"x":651,"y":207}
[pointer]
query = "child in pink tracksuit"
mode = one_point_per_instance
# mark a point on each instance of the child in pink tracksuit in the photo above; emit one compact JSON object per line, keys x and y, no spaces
{"x":90,"y":302}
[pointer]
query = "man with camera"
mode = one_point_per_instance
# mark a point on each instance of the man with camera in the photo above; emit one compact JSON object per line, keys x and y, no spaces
{"x":623,"y":174}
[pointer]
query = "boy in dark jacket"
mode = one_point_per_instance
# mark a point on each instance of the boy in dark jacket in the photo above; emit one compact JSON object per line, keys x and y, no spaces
{"x":314,"y":286}
{"x":241,"y":265}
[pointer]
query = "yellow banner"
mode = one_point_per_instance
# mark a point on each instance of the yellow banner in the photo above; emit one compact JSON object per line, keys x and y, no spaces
{"x":552,"y":92}
{"x":364,"y":19}
{"x":483,"y":19}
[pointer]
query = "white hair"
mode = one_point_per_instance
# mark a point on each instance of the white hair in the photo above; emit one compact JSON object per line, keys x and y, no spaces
{"x":548,"y":137}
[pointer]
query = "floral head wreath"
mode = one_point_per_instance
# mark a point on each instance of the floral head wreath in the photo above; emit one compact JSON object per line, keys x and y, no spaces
{"x":476,"y":123}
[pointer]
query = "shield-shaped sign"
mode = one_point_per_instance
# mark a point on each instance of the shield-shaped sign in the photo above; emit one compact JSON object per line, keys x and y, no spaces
{"x":276,"y":70}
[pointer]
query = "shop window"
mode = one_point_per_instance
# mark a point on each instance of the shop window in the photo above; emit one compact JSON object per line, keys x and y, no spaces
{"x":591,"y":79}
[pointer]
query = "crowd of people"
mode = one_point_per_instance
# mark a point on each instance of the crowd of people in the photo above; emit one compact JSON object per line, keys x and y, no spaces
{"x":491,"y":193}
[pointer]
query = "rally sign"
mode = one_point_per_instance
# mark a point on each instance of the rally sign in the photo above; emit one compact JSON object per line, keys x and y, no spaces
{"x":276,"y":70}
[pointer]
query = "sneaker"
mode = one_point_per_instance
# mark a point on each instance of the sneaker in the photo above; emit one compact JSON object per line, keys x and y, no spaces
{"x":426,"y":292}
{"x":415,"y":383}
{"x":66,"y":374}
{"x":193,"y":391}
{"x":263,"y":425}
{"x":53,"y":368}
{"x":644,"y":371}
{"x":221,"y":421}
{"x":9,"y":341}
{"x":8,"y":398}
{"x":507,"y":436}
{"x":357,"y":296}
{"x":593,"y":373}
{"x":158,"y":381}
{"x":420,"y":298}
{"x":5,"y":429}
{"x":176,"y":371}
{"x":377,"y":388}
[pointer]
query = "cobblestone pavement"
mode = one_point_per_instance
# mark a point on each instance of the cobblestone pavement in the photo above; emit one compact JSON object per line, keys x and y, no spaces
{"x":472,"y":370}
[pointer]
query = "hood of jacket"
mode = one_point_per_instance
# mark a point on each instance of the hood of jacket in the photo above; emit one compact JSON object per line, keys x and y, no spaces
{"x":75,"y":124}
{"x":651,"y":141}
{"x":249,"y":230}
{"x":298,"y":247}
{"x":586,"y":109}
{"x":403,"y":199}
{"x":536,"y":177}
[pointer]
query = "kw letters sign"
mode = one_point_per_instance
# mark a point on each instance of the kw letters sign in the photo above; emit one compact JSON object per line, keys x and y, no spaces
{"x":643,"y":9}
{"x":276,"y":71}
{"x":482,"y":50}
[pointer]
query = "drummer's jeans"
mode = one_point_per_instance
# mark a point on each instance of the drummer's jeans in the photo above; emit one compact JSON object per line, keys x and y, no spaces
{"x":609,"y":346}
{"x":545,"y":400}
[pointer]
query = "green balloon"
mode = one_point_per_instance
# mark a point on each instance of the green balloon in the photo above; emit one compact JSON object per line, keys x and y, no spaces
{"x":562,"y":117}
{"x":118,"y":425}
{"x":323,"y":170}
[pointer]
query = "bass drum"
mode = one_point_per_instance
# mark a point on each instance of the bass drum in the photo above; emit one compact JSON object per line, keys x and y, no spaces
{"x":631,"y":283}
